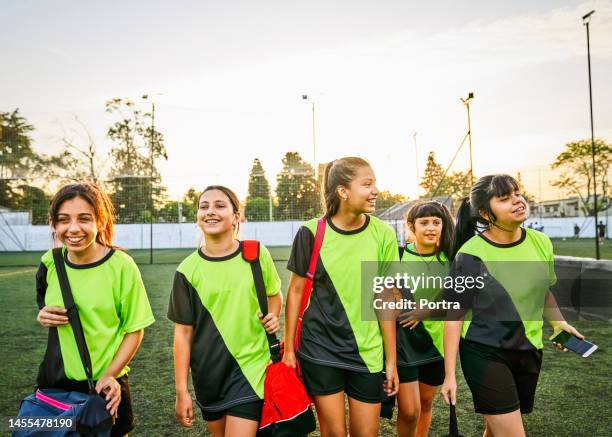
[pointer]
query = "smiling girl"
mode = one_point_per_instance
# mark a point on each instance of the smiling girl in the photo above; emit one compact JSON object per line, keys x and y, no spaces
{"x":500,"y":346}
{"x":420,"y":362}
{"x":110,"y":296}
{"x":219,"y":331}
{"x":339,"y":351}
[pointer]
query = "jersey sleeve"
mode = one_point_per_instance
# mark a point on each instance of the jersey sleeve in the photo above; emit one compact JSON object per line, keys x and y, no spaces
{"x":301,"y":250}
{"x":455,"y":286}
{"x":180,"y":308}
{"x":41,"y":285}
{"x":389,"y":251}
{"x":552,"y":276}
{"x":271,"y":278}
{"x":135,"y":311}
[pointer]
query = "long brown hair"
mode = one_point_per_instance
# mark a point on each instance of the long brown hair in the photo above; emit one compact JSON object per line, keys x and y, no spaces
{"x":104,"y":210}
{"x":339,"y":172}
{"x":473,"y":209}
{"x":433,"y":208}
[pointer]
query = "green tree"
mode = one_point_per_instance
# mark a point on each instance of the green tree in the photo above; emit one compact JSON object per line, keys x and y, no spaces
{"x":387,"y":199}
{"x":436,"y":184}
{"x":21,"y":165}
{"x":434,"y":173}
{"x":257,"y":206}
{"x":296,"y":190}
{"x":170,"y":212}
{"x":134,"y":174}
{"x":191,"y":197}
{"x":576,"y":166}
{"x":17,"y":157}
{"x":81,"y":159}
{"x":36,"y":201}
{"x":257,"y":209}
{"x":459,"y":184}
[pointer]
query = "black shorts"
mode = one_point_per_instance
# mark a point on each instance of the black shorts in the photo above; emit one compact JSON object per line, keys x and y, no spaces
{"x":429,"y":373}
{"x":327,"y":380}
{"x":501,"y":380}
{"x":250,"y":410}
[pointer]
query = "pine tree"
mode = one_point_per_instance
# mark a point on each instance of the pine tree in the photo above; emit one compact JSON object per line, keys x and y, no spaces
{"x":297,"y":190}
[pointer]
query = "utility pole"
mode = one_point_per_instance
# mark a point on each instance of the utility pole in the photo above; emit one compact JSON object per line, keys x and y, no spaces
{"x":466,"y":102}
{"x":586,"y":20}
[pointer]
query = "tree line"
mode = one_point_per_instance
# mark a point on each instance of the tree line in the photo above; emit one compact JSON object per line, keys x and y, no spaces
{"x":130,"y":175}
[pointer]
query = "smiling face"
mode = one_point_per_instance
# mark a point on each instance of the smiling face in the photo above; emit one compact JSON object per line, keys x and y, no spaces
{"x":216,"y":214}
{"x":362,"y":192}
{"x":76,"y":226}
{"x":427,"y":231}
{"x":510,"y":210}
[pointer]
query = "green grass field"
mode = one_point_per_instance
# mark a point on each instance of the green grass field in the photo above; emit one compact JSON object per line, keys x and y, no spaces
{"x":584,"y":247}
{"x":571,"y":399}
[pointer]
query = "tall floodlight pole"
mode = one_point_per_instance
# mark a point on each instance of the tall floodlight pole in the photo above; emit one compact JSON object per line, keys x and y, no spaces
{"x":586,"y":20}
{"x":314,"y":136}
{"x":466,"y":102}
{"x":151,"y":169}
{"x":416,"y":160}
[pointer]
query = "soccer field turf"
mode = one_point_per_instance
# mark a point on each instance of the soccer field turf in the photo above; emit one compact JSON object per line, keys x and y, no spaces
{"x":571,"y":398}
{"x":583,"y":247}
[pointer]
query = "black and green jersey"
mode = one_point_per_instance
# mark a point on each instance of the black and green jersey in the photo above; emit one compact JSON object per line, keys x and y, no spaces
{"x":334,"y":332}
{"x":230,"y":351}
{"x":507,"y":311}
{"x":424,"y":343}
{"x":112,"y":302}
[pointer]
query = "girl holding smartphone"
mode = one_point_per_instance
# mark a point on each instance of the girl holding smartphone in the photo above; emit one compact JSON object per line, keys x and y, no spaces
{"x":500,"y":343}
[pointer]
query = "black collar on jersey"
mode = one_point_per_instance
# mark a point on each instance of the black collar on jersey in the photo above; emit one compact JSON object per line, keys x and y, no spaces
{"x":424,"y":255}
{"x":505,"y":245}
{"x":354,"y":231}
{"x":89,"y":265}
{"x":220,"y":258}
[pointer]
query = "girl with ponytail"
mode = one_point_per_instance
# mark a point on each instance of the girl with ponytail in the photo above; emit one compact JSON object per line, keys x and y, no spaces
{"x":500,"y":346}
{"x":339,"y":351}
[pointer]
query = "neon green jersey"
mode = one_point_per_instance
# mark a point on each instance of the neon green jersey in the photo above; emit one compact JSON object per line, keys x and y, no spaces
{"x":507,"y":312}
{"x":230,"y":352}
{"x":425,"y":342}
{"x":111,"y":300}
{"x":334,"y":332}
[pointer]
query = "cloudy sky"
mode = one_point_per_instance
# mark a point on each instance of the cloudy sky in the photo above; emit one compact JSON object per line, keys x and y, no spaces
{"x":232,"y":73}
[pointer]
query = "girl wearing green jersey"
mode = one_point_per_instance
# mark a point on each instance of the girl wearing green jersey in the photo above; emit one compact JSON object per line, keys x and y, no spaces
{"x":420,"y":362}
{"x":219,"y":331}
{"x":500,"y":346}
{"x":339,"y":351}
{"x":107,"y":289}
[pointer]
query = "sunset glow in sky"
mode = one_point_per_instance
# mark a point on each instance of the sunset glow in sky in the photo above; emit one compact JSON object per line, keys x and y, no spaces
{"x":232,"y":73}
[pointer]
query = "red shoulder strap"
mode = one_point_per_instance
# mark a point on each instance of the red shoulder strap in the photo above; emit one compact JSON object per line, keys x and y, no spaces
{"x":314,"y":258}
{"x":250,"y":250}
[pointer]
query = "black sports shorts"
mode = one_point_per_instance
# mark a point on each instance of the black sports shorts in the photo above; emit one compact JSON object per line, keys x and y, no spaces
{"x":429,"y":373}
{"x":326,"y":380}
{"x":501,"y":380}
{"x":250,"y":410}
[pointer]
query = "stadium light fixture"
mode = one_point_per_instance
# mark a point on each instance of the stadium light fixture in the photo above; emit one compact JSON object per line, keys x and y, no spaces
{"x":586,"y":20}
{"x":314,"y":136}
{"x":466,"y":102}
{"x":151,"y":168}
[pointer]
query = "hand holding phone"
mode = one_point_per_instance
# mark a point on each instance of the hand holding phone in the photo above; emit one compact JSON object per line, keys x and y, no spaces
{"x":575,"y":344}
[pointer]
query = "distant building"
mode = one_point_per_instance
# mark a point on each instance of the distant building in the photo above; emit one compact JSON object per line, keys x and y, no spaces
{"x":570,"y":207}
{"x":399,"y":210}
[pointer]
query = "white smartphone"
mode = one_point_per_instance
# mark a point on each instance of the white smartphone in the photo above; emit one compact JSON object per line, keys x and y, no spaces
{"x":573,"y":343}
